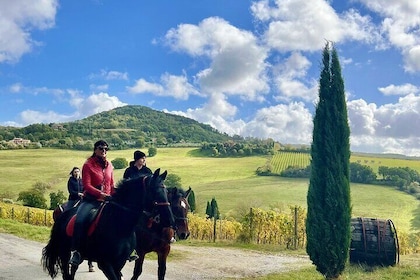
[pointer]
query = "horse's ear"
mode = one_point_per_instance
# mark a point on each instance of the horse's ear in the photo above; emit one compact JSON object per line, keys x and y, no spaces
{"x":157,"y":171}
{"x":187,"y":193}
{"x":163,"y":175}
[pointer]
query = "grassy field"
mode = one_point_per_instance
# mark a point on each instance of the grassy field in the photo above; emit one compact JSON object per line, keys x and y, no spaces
{"x":232,"y":181}
{"x":235,"y":186}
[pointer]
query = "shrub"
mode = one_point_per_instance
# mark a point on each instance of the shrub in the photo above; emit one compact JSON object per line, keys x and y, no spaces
{"x":119,"y":163}
{"x":33,"y":198}
{"x":152,"y":151}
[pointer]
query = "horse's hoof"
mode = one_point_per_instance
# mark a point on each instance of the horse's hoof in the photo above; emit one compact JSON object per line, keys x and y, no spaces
{"x":91,"y":269}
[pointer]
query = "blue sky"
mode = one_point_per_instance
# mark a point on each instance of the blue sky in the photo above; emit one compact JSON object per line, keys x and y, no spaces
{"x":245,"y":67}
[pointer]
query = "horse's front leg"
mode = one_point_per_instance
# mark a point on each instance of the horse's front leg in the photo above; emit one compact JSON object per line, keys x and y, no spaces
{"x":162,"y":256}
{"x":68,"y":271}
{"x":138,"y":266}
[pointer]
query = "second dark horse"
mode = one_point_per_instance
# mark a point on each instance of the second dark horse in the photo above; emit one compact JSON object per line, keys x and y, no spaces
{"x":110,"y":244}
{"x":153,"y":236}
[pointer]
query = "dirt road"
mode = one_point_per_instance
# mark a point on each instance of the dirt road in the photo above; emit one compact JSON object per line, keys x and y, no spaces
{"x":20,"y":259}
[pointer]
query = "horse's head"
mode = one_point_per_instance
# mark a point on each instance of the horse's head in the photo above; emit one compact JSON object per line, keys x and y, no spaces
{"x":180,"y":208}
{"x":146,"y":193}
{"x":156,"y":199}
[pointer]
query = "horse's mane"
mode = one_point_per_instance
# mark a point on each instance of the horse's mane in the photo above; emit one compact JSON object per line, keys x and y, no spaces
{"x":123,"y":187}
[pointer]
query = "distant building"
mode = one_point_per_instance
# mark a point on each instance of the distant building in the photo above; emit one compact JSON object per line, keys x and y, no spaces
{"x":21,"y":141}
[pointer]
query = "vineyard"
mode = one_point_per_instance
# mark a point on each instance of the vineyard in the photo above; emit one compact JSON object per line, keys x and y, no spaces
{"x":283,"y":160}
{"x":260,"y":227}
{"x":28,"y":215}
{"x":286,"y":229}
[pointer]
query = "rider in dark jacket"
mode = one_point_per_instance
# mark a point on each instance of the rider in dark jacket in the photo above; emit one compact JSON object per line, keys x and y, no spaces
{"x":137,"y":166}
{"x":75,"y":187}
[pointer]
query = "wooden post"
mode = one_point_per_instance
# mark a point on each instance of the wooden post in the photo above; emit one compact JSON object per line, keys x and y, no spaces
{"x":295,"y":229}
{"x":250,"y":224}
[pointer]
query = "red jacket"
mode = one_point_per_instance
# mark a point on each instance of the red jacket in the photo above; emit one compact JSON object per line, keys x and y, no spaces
{"x":97,"y":177}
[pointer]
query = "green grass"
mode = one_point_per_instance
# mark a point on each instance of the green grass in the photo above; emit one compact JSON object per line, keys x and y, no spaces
{"x":27,"y":231}
{"x":375,"y":162}
{"x":354,"y":272}
{"x":232,"y":181}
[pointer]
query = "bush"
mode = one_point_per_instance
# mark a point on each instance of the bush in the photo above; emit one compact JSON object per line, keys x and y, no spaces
{"x":56,"y":199}
{"x":119,"y":163}
{"x":33,"y":198}
{"x":152,"y":151}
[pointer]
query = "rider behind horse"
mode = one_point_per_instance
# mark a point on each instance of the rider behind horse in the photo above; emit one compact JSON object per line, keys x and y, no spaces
{"x":75,"y":187}
{"x":98,"y":182}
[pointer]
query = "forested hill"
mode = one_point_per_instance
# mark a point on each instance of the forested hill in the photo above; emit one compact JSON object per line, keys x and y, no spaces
{"x":123,"y":127}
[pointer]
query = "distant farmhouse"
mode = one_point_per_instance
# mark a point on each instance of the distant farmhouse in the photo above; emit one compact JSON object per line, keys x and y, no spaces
{"x":20,"y":141}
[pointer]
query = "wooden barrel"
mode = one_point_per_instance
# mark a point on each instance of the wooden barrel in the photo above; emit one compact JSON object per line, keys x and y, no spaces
{"x":374,"y":242}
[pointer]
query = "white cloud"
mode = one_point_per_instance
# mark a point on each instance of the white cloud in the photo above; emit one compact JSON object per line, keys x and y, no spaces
{"x":401,"y":24}
{"x":17,"y":19}
{"x":389,"y":128}
{"x":412,"y":59}
{"x":305,"y":25}
{"x":216,"y":112}
{"x":96,"y":103}
{"x":237,"y":62}
{"x":362,"y":117}
{"x":31,"y":116}
{"x":84,"y":106}
{"x":290,"y":76}
{"x":287,"y":123}
{"x":177,"y":87}
{"x":109,"y":75}
{"x":99,"y":88}
{"x":22,"y":89}
{"x":404,"y":89}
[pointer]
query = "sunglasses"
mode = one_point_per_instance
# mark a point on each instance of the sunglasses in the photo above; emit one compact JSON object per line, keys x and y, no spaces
{"x":103,"y":148}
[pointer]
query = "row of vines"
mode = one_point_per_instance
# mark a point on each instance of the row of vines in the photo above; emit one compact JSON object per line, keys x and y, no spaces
{"x":283,"y":160}
{"x":258,"y":227}
{"x":29,"y":215}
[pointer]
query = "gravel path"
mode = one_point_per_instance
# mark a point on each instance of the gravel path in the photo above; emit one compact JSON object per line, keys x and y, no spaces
{"x":20,"y":259}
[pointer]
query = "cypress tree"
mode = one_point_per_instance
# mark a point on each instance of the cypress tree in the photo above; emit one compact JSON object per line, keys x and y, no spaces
{"x":328,"y":198}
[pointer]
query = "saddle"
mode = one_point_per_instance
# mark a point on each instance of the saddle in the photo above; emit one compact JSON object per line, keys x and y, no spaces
{"x":92,"y":220}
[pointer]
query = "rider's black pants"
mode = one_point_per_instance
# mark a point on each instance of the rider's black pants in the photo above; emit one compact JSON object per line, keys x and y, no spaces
{"x":82,"y":222}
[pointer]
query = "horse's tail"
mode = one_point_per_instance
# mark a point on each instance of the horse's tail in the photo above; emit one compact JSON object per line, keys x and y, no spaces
{"x":50,"y":253}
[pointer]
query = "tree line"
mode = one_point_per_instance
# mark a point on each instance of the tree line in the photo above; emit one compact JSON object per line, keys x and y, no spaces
{"x":404,"y":178}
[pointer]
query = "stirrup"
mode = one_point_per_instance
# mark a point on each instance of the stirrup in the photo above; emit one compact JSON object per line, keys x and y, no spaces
{"x":133,"y":256}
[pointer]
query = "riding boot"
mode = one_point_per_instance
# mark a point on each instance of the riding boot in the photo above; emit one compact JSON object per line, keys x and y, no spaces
{"x":75,"y":258}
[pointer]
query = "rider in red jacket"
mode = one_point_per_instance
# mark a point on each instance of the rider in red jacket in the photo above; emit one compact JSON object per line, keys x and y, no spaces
{"x":98,"y":183}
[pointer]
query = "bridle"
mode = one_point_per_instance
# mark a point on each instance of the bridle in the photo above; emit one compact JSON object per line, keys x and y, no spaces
{"x":178,"y":218}
{"x":156,"y":217}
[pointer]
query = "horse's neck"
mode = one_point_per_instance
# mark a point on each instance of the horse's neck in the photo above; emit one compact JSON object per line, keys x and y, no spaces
{"x":122,"y":217}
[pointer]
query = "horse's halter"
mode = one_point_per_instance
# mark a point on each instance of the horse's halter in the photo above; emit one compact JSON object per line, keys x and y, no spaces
{"x":184,"y":205}
{"x":155,"y":214}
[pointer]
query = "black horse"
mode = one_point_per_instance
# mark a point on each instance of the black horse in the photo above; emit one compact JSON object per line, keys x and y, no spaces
{"x":154,"y":236}
{"x":113,"y":239}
